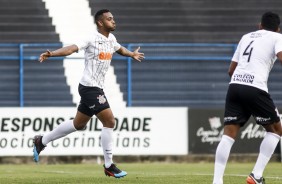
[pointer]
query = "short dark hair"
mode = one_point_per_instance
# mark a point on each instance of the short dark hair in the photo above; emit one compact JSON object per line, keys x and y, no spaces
{"x":270,"y":21}
{"x":100,"y":13}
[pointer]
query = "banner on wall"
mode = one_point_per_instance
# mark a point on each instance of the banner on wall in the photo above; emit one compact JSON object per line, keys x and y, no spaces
{"x":138,"y":131}
{"x":206,"y":129}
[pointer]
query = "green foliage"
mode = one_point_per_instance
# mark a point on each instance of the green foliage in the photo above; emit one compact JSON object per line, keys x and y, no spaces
{"x":138,"y":173}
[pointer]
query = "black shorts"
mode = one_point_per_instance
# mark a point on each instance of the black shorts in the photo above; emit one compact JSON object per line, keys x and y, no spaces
{"x":243,"y":101}
{"x":93,"y":100}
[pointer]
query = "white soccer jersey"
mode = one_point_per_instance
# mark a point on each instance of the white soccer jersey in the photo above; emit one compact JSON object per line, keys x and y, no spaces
{"x":98,"y":55}
{"x":256,"y":54}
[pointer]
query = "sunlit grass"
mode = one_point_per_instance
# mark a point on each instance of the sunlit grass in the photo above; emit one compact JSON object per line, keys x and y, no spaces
{"x":139,"y":173}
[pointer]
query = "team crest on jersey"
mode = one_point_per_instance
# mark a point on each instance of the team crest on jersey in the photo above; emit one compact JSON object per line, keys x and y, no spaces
{"x":101,"y":99}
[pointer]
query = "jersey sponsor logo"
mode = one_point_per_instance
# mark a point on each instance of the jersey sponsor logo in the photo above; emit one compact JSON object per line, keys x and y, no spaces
{"x":105,"y":56}
{"x":246,"y":78}
{"x":101,"y":99}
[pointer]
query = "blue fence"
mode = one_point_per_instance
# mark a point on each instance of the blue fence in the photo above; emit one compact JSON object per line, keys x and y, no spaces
{"x":153,"y":51}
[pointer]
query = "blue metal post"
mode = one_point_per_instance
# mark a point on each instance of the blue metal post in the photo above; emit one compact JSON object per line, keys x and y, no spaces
{"x":21,"y":72}
{"x":129,"y":80}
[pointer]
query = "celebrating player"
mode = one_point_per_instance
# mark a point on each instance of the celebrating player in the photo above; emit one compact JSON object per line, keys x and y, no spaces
{"x":98,"y":54}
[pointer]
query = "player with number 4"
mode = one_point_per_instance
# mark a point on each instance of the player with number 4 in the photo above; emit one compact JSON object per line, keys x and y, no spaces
{"x":248,"y":95}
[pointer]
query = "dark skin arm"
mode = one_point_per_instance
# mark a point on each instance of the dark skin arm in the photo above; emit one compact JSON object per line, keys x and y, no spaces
{"x":232,"y":68}
{"x":135,"y":54}
{"x":64,"y":51}
{"x":279,"y":56}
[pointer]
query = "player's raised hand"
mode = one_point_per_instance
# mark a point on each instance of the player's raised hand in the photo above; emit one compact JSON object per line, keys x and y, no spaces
{"x":139,"y":56}
{"x":45,"y":56}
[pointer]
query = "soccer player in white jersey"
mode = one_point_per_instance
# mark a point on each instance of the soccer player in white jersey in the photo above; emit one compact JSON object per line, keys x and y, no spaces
{"x":98,"y":54}
{"x":248,"y":95}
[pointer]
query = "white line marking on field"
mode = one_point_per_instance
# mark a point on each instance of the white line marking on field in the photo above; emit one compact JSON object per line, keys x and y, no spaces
{"x":60,"y":172}
{"x":238,"y":175}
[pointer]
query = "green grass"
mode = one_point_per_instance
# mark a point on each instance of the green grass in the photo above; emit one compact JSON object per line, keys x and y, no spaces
{"x":138,"y":173}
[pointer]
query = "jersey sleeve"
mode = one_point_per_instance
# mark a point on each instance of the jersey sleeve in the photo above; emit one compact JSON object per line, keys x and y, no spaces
{"x":82,"y":44}
{"x":115,"y":43}
{"x":85,"y":41}
{"x":116,"y":46}
{"x":278,"y":45}
{"x":236,"y":54}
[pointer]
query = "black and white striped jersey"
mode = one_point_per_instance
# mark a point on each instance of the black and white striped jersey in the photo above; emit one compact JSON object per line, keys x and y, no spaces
{"x":98,"y":55}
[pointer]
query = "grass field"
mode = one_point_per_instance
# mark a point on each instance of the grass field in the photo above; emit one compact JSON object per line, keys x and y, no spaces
{"x":139,"y":173}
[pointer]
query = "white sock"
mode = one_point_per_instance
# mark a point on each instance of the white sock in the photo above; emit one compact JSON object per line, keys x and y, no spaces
{"x":221,"y":157}
{"x":107,"y":145}
{"x":62,"y":130}
{"x":267,"y":148}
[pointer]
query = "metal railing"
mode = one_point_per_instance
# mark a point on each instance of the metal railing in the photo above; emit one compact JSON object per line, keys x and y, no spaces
{"x":197,"y":54}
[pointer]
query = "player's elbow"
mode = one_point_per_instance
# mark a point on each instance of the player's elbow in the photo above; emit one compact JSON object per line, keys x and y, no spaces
{"x":71,"y":49}
{"x":279,"y":56}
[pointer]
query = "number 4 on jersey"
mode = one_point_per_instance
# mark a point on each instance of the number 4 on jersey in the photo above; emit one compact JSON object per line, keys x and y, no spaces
{"x":248,"y":52}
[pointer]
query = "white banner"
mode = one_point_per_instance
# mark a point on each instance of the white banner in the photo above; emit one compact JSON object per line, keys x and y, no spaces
{"x":138,"y":131}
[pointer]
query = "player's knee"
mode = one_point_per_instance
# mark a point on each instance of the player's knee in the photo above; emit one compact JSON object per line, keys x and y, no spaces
{"x":79,"y":125}
{"x":274,"y":128}
{"x":81,"y":128}
{"x":110,"y":123}
{"x":278,"y":128}
{"x":279,"y":131}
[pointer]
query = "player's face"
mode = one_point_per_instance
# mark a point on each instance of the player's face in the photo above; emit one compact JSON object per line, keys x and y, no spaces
{"x":108,"y":22}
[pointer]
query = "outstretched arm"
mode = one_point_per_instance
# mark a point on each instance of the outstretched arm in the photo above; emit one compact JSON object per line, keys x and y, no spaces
{"x":65,"y":51}
{"x":135,"y":54}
